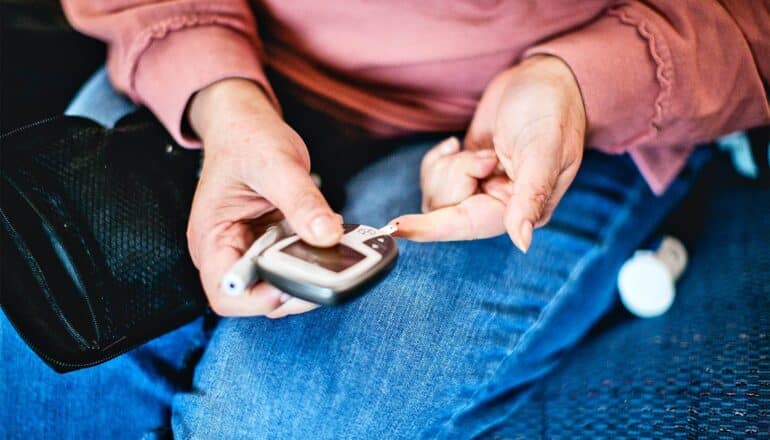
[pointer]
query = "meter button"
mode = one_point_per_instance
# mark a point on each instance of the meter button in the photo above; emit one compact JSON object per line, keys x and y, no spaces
{"x":380,"y":244}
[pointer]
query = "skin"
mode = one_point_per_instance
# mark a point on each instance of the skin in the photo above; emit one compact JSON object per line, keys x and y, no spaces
{"x":253,"y":164}
{"x":533,"y":118}
{"x":522,"y":150}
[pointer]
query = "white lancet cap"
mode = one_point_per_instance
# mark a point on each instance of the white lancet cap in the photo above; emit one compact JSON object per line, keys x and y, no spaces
{"x":646,"y":285}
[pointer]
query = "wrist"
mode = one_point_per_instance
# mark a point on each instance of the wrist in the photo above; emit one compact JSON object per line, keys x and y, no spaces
{"x":551,"y":68}
{"x":555,"y":70}
{"x":217,"y":103}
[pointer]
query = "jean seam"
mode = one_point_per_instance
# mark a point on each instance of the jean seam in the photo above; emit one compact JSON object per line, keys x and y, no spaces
{"x":579,"y":268}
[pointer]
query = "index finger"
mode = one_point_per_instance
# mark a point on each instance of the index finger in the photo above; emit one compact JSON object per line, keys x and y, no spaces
{"x":291,"y":189}
{"x":479,"y":216}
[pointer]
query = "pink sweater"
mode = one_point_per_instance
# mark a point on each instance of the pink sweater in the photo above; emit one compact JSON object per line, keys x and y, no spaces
{"x":657,"y":76}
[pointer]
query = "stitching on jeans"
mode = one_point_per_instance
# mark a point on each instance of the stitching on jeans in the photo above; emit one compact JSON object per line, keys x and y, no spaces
{"x":577,"y":270}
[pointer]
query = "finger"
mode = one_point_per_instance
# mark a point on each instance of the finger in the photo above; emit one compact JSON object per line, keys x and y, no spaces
{"x":456,"y":178}
{"x":562,"y":184}
{"x":477,"y":164}
{"x":499,"y":187}
{"x":291,"y":189}
{"x":447,"y":146}
{"x":479,"y":216}
{"x":293,"y":306}
{"x":260,"y":299}
{"x":431,"y":173}
{"x":532,"y":188}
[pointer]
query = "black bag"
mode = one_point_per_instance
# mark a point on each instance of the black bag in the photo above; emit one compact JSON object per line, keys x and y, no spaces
{"x":94,"y":253}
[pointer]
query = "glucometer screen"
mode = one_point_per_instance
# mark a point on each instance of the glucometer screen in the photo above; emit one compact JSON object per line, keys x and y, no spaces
{"x":336,"y":258}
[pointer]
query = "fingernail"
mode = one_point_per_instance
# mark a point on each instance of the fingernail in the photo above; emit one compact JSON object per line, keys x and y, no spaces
{"x":525,"y":234}
{"x":450,"y":145}
{"x":485,"y":153}
{"x":324,"y":227}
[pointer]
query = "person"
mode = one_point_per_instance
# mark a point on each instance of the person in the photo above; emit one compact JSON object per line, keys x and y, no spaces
{"x":480,"y":305}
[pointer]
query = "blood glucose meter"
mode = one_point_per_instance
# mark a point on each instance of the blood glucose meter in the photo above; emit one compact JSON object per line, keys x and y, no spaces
{"x":322,"y":275}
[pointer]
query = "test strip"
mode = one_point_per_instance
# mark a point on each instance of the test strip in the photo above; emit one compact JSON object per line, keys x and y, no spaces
{"x":388,"y":230}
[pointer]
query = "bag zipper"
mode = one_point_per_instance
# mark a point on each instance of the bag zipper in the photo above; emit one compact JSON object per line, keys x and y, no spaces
{"x":38,"y":273}
{"x":68,"y":366}
{"x":31,"y":125}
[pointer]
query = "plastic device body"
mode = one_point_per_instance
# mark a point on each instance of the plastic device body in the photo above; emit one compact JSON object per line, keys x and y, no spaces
{"x":329,"y":275}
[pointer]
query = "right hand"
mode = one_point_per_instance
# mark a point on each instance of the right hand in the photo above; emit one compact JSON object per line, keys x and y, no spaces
{"x":253,"y":163}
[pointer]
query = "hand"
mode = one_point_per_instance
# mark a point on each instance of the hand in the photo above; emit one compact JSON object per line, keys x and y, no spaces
{"x":532,"y":115}
{"x":448,"y":176}
{"x":253,"y":163}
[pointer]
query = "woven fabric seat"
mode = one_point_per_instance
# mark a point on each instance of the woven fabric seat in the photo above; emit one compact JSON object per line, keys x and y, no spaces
{"x":700,"y":371}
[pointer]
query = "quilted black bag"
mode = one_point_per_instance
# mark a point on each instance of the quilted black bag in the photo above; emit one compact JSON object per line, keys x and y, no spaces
{"x":94,"y":254}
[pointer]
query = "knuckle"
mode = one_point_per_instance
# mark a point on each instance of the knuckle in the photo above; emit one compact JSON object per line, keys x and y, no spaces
{"x":539,"y":198}
{"x":257,"y":163}
{"x":544,"y":220}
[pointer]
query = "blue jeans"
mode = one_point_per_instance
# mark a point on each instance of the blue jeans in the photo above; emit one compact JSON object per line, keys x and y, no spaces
{"x":447,"y":346}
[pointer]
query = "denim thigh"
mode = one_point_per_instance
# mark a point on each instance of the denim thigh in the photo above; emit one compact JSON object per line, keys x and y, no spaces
{"x":450,"y":342}
{"x":99,"y":101}
{"x":128,"y":397}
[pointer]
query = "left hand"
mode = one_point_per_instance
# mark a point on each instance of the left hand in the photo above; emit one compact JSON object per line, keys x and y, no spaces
{"x":533,"y":116}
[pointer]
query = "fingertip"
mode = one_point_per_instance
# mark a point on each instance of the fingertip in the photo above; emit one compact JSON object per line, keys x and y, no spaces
{"x":325,"y":231}
{"x":513,"y":219}
{"x":525,"y":232}
{"x":520,"y":232}
{"x":406,"y":226}
{"x":449,"y":145}
{"x":397,"y":222}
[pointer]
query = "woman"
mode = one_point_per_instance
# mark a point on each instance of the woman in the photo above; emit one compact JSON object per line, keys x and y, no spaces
{"x":450,"y":343}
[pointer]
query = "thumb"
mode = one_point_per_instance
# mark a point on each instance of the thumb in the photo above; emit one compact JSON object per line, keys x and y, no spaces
{"x":481,"y":130}
{"x":290,"y":188}
{"x":531,"y":190}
